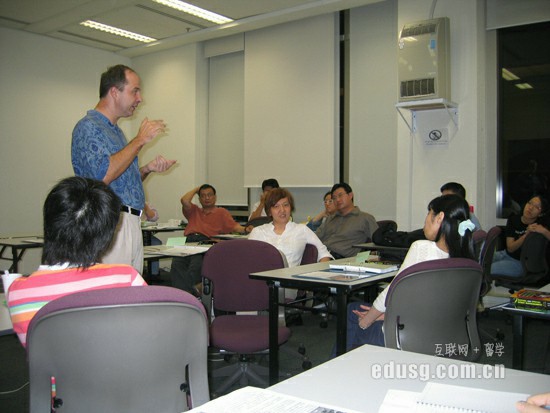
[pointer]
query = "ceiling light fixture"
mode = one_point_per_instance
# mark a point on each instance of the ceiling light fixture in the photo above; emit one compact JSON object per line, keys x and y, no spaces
{"x":195,"y":11}
{"x":118,"y":32}
{"x":507,"y":75}
{"x":524,"y":86}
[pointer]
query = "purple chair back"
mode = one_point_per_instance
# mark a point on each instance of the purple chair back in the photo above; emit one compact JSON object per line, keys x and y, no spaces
{"x":434,"y":303}
{"x":486,"y":258}
{"x":229,"y":264}
{"x":120,"y":349}
{"x":478,"y":238}
{"x":310,"y":255}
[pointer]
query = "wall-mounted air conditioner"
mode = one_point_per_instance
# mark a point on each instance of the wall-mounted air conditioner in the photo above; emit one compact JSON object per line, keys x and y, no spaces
{"x":424,"y":61}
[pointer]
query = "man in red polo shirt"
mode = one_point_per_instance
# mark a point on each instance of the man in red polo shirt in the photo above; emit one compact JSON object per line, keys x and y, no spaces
{"x":203,"y":223}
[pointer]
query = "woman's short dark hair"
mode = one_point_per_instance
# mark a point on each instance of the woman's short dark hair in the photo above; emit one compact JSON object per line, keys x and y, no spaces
{"x":80,"y":218}
{"x":113,"y":76}
{"x":455,"y":210}
{"x":274,"y":196}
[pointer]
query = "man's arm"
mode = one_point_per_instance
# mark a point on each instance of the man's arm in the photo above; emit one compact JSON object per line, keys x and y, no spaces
{"x":159,"y":164}
{"x":187,"y":198}
{"x":257,"y":213}
{"x":121,"y":160}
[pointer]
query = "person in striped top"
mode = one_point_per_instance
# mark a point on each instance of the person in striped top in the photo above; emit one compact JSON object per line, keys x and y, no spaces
{"x":80,"y":218}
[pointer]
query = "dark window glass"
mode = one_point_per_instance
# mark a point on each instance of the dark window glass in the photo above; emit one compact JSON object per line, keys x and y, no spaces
{"x":523,"y":116}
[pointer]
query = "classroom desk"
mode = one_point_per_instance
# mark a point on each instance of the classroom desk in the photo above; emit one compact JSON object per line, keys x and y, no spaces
{"x":348,"y":381}
{"x":157,"y":252}
{"x":285,"y":278}
{"x":371,"y":246}
{"x":230,"y":236}
{"x":18,"y":246}
{"x":149,"y":230}
{"x":518,"y":328}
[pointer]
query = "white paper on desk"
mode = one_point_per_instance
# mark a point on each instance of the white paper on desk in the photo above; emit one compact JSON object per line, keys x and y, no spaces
{"x":334,"y":275}
{"x":255,"y":400}
{"x":439,"y":397}
{"x":399,"y":401}
{"x":371,"y":267}
{"x":183,"y":250}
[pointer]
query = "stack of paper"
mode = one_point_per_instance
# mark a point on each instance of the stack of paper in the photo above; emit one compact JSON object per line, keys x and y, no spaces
{"x":374,"y":267}
{"x":438,"y":397}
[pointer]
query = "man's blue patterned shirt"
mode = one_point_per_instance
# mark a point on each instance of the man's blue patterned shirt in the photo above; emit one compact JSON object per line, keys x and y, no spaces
{"x":95,"y":139}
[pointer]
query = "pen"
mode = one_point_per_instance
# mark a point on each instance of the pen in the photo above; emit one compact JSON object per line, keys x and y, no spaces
{"x":53,"y":392}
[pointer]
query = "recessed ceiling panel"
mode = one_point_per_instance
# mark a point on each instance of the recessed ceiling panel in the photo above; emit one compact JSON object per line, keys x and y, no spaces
{"x":32,"y":11}
{"x":146,"y":22}
{"x":239,"y":9}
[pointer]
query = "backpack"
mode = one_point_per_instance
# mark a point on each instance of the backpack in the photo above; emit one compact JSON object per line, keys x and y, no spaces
{"x":388,"y":236}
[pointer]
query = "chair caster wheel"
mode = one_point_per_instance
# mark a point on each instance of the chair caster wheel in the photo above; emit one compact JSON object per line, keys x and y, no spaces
{"x":302,"y":349}
{"x":306,"y":365}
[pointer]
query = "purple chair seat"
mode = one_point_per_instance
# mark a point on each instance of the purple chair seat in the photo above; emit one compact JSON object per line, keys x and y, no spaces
{"x":227,"y":332}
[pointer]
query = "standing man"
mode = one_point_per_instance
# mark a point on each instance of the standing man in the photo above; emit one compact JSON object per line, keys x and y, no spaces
{"x":202,"y":224}
{"x":100,"y":151}
{"x":347,"y":226}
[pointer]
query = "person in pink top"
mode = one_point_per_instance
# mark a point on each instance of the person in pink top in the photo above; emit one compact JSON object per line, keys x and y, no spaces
{"x":80,"y":218}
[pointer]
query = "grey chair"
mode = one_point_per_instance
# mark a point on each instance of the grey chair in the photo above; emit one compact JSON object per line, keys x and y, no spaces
{"x":535,"y":266}
{"x":431,"y":307}
{"x":132,"y":349}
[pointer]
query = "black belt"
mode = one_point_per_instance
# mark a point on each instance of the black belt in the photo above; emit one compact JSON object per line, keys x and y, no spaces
{"x":130,"y":210}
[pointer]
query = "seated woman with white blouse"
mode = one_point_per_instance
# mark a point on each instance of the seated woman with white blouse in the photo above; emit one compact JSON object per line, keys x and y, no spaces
{"x":287,"y":236}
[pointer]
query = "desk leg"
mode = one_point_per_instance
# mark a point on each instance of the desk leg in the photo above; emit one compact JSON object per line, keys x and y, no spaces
{"x":517,"y":351}
{"x":341,"y":321}
{"x":147,"y":238}
{"x":15,"y":260}
{"x":273,"y":333}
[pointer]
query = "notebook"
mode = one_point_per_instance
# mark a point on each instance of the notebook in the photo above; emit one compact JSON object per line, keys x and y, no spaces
{"x":335,"y":275}
{"x":373,"y":267}
{"x":438,"y":397}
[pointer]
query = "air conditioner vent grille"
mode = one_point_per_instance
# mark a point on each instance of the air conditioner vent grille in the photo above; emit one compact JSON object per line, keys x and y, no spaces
{"x":418,"y":87}
{"x":417,"y":30}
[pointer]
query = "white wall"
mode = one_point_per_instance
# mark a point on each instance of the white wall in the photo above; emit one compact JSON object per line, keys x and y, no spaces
{"x":46,"y":86}
{"x":422,"y":170}
{"x":372,"y":124}
{"x":173,"y":90}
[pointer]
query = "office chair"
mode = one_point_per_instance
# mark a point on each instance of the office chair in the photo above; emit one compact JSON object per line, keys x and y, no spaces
{"x":227,"y":265}
{"x":132,"y":349}
{"x":479,"y":238}
{"x":485,"y":260}
{"x":534,"y":263}
{"x":256,"y":222}
{"x":431,"y":308}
